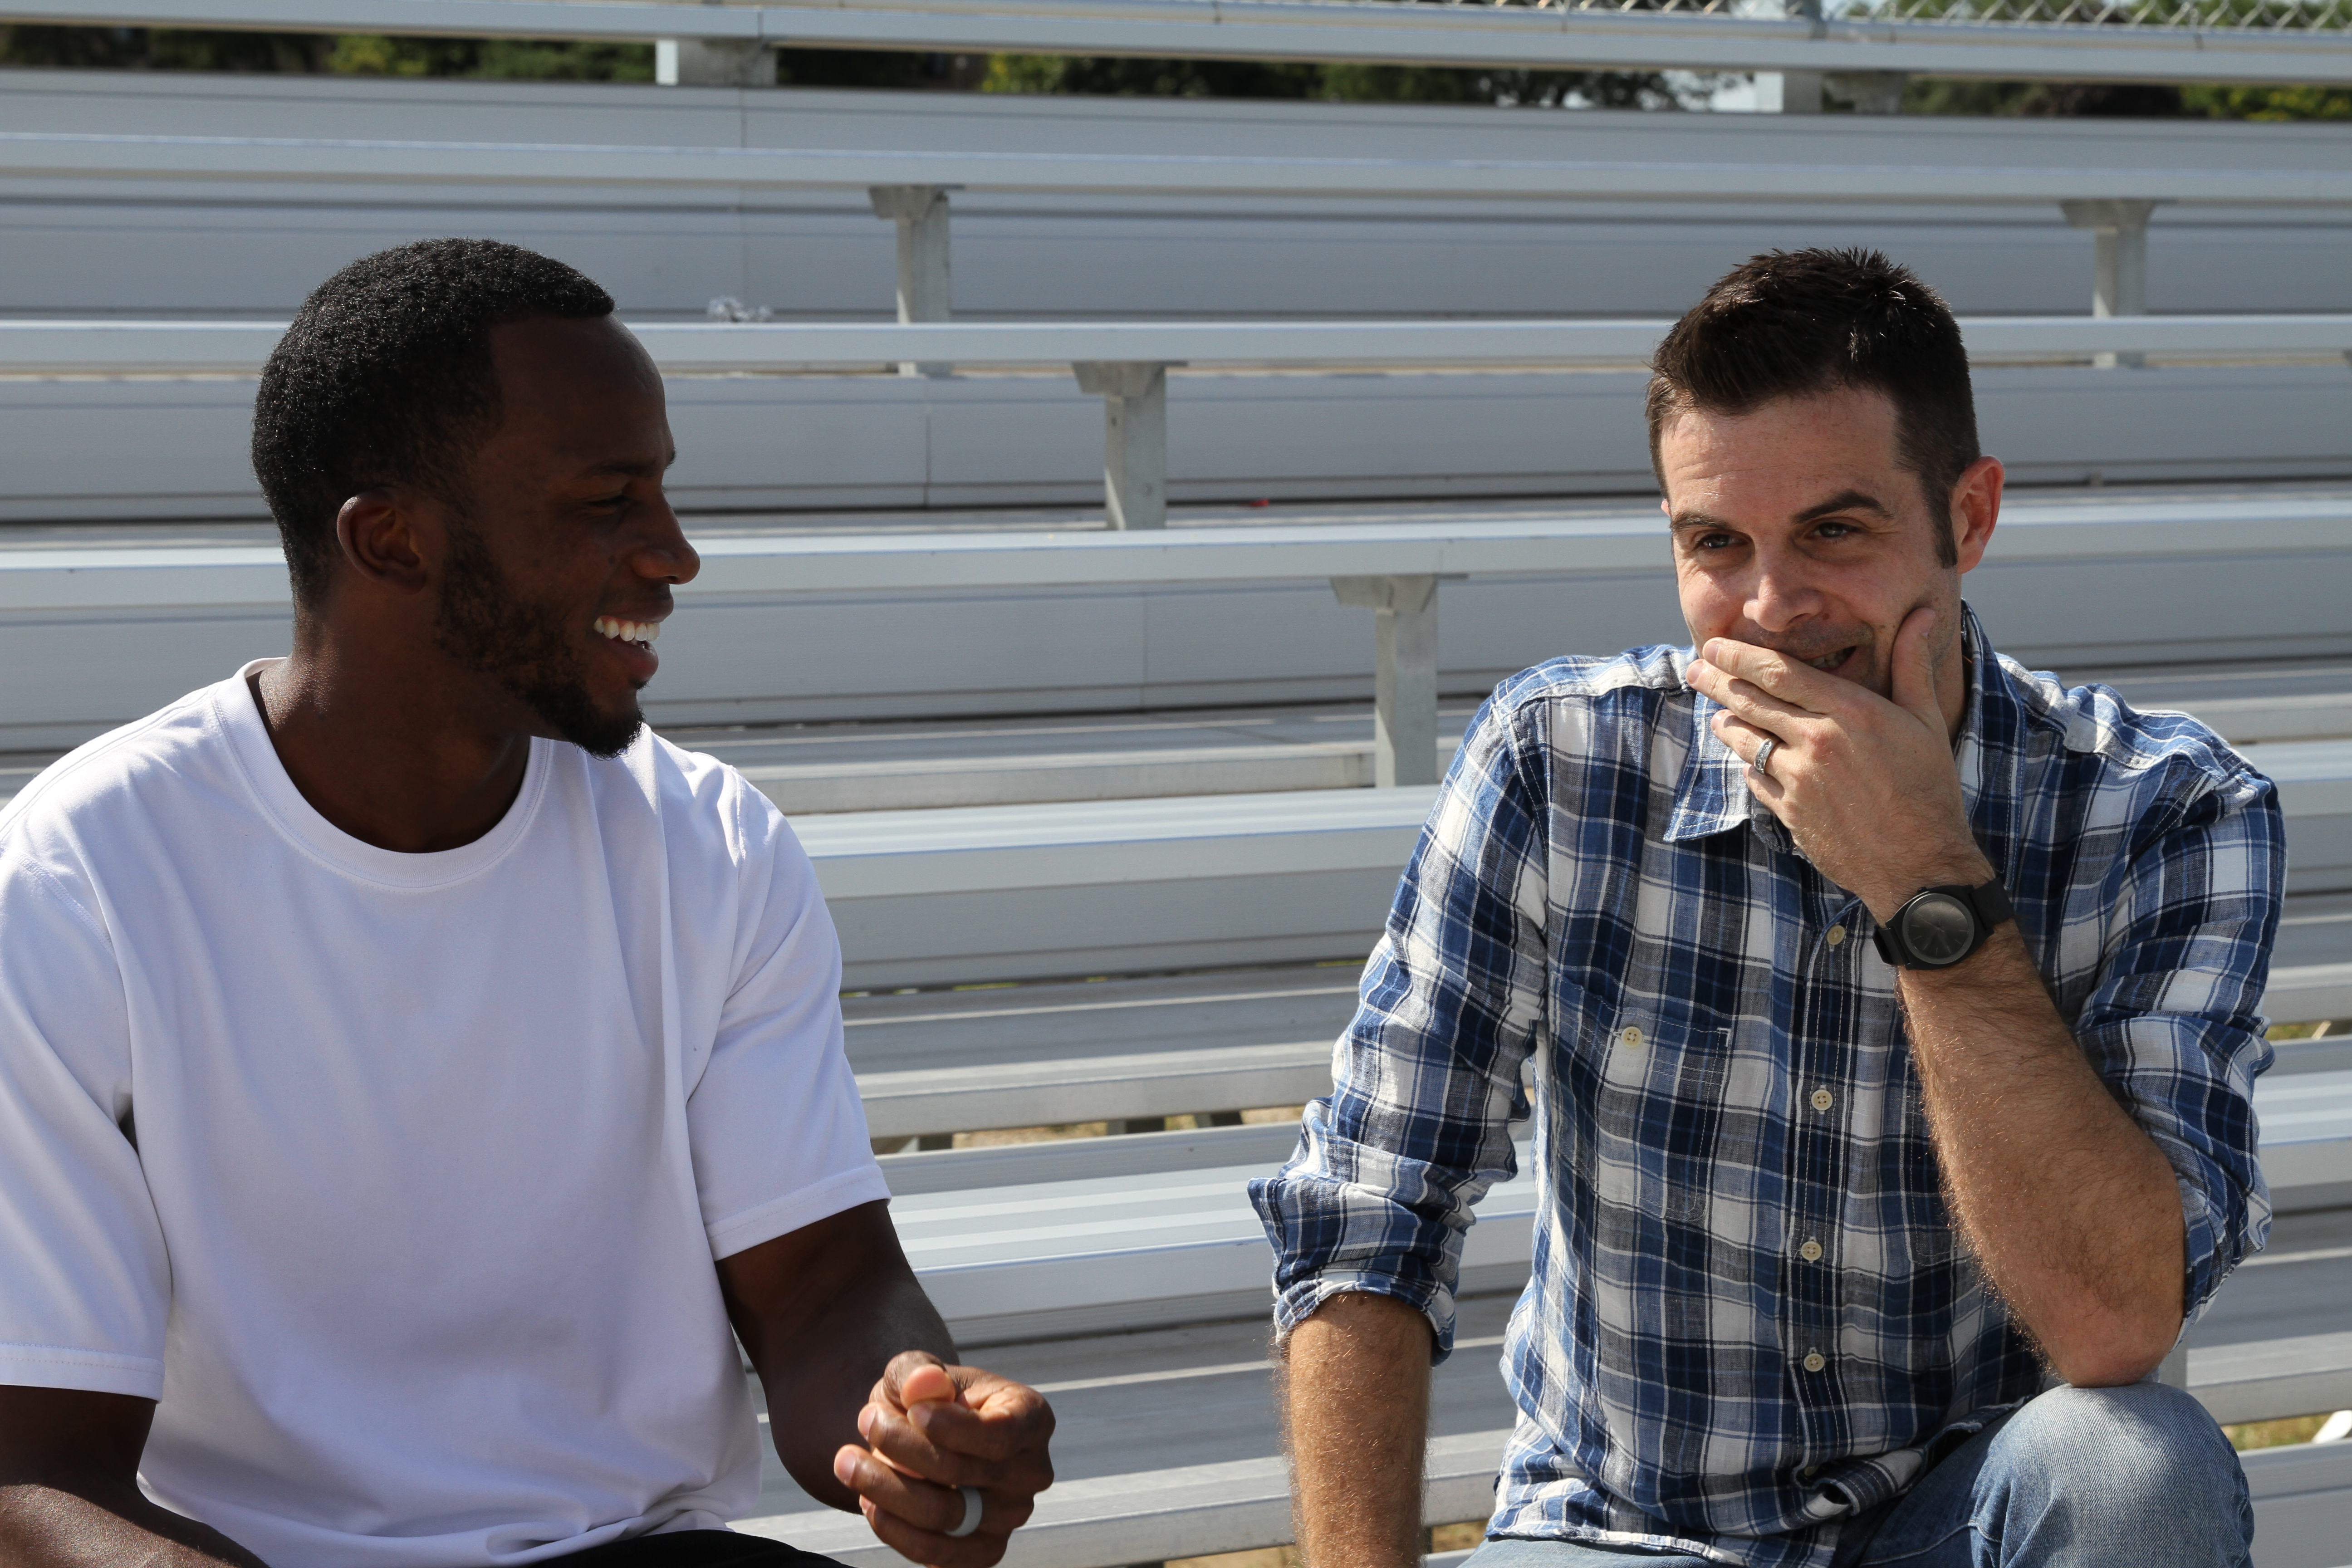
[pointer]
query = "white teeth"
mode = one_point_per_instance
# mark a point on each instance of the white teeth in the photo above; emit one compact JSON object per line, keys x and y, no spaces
{"x":1829,"y":660}
{"x":628,"y":631}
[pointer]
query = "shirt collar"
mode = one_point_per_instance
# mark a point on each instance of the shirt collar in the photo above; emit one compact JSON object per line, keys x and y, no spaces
{"x":1711,"y":796}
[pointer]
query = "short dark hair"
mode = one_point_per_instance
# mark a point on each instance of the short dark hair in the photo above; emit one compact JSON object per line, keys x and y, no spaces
{"x":385,"y":378}
{"x":1795,"y":323}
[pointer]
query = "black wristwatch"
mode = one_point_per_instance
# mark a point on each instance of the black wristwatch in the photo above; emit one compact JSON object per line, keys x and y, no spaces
{"x":1937,"y":927}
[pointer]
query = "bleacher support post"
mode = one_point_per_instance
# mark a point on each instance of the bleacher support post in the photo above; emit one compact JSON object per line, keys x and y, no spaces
{"x":1135,"y":439}
{"x":1870,"y":92}
{"x":1793,"y":92}
{"x":714,"y":62}
{"x":921,"y":214}
{"x":1405,"y":680}
{"x":2119,"y":277}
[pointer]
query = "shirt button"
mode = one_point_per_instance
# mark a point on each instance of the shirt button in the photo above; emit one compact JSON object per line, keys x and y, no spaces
{"x":1630,"y":1037}
{"x":1823,"y":1099}
{"x":1815,"y":1361}
{"x":1811,"y":1252}
{"x":1834,"y":936}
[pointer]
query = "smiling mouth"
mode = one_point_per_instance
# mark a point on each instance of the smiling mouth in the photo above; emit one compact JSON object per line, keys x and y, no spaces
{"x":642,"y":633}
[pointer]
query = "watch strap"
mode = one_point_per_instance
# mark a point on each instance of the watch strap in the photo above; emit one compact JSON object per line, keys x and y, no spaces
{"x":1992,"y":904}
{"x":1988,"y":902}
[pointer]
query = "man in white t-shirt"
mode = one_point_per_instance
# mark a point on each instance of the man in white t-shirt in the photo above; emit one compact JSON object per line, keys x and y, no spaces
{"x":410,"y":1069}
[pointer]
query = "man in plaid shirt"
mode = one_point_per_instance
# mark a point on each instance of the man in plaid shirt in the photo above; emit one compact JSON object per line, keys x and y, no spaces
{"x":1891,"y":1014}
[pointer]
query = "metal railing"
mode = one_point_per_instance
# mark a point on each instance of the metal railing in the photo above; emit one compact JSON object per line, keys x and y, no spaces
{"x":2252,"y":15}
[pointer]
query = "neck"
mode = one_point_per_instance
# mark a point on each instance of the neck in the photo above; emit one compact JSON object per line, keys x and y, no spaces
{"x":399,"y":749}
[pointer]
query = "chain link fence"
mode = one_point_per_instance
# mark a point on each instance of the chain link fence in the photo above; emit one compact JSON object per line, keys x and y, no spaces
{"x":2253,"y":16}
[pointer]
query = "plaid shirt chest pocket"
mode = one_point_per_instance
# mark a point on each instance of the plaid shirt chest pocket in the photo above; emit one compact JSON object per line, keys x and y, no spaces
{"x":1681,"y":1135}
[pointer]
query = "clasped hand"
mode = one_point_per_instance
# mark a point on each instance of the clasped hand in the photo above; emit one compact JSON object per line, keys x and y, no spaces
{"x":1866,"y":786}
{"x":932,"y":1429}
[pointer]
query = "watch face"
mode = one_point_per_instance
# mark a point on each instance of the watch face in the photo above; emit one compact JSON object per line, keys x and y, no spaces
{"x":1938,"y":929}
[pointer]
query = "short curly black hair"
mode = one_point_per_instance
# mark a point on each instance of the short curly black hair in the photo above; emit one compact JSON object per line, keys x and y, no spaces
{"x":1792,"y":323}
{"x":385,"y":378}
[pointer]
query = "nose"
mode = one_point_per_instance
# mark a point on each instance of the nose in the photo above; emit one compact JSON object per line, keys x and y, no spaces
{"x":1779,"y":591}
{"x":664,"y":555}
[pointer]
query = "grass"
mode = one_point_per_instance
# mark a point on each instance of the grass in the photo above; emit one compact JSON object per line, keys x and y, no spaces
{"x":2274,"y":1434}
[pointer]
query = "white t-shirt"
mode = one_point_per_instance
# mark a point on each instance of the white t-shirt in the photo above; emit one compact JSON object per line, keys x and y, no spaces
{"x":397,"y":1179}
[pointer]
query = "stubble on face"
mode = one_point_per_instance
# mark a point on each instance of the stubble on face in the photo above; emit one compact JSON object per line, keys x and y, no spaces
{"x":1837,"y":542}
{"x":527,"y":648}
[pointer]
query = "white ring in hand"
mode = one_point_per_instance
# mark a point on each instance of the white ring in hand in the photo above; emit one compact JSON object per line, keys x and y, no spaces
{"x":972,"y":1507}
{"x":1764,"y":755}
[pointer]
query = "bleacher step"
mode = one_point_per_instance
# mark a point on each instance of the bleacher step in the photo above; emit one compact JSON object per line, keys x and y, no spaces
{"x":1062,"y":1257}
{"x":1133,"y":1085}
{"x":1057,"y":1240}
{"x":987,"y":893}
{"x":1262,"y":1146}
{"x":820,"y":769}
{"x":952,"y":1061}
{"x":2261,"y":1380}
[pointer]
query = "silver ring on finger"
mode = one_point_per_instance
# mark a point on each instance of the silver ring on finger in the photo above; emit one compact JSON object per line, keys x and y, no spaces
{"x":1763,"y":757}
{"x":972,"y":1507}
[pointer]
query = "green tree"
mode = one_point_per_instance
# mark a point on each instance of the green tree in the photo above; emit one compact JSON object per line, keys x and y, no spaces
{"x":162,"y":48}
{"x":500,"y":60}
{"x":1116,"y":76}
{"x":2223,"y":103}
{"x":1337,"y":81}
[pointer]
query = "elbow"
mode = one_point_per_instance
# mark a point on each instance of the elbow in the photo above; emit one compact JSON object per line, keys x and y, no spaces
{"x":2104,"y":1371}
{"x":2117,"y":1352}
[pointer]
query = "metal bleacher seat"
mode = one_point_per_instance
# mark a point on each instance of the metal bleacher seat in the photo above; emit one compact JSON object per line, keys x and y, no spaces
{"x":934,"y":1062}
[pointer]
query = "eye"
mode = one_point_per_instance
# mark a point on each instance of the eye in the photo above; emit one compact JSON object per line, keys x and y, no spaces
{"x":1833,"y":529}
{"x":1713,"y":541}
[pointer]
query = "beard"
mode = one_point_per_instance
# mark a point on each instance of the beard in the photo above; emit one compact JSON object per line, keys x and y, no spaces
{"x":491,"y":630}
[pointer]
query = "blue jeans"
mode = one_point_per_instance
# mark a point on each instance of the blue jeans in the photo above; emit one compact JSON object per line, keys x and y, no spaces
{"x":2079,"y":1478}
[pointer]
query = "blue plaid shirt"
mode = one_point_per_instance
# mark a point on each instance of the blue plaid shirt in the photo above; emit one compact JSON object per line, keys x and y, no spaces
{"x":1750,"y":1314}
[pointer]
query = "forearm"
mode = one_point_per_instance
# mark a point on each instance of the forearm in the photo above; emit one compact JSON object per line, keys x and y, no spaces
{"x":2070,"y":1207}
{"x":1355,"y":1401}
{"x":64,"y":1524}
{"x":816,"y":1386}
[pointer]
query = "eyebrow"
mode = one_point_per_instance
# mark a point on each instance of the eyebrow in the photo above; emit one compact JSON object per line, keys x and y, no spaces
{"x":1844,"y":500}
{"x":632,"y":470}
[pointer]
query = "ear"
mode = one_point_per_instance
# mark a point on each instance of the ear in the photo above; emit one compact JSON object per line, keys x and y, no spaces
{"x":377,"y":530}
{"x":1976,"y":507}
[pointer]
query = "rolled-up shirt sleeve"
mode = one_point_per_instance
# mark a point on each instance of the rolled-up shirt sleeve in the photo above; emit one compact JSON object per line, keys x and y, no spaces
{"x":1426,"y":1077}
{"x":2174,"y":1024}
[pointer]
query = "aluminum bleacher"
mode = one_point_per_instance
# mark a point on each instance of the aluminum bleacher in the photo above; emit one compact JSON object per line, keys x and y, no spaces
{"x":785,"y":625}
{"x":1127,"y":362}
{"x":1094,"y":207}
{"x":1084,"y":870}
